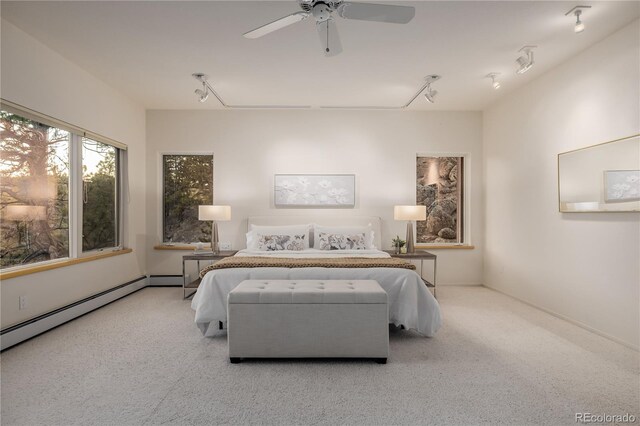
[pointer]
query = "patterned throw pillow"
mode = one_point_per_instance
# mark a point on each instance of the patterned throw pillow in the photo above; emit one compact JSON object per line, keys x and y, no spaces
{"x":280,"y":242}
{"x":341,"y":241}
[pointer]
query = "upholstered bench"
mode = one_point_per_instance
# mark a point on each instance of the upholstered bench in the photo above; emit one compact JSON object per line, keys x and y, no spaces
{"x":308,"y":319}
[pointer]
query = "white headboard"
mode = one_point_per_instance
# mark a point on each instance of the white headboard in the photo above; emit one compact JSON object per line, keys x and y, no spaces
{"x":374,"y":221}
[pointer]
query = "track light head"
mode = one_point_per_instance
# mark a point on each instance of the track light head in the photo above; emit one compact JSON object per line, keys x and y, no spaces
{"x":577,"y":11}
{"x":494,"y":83}
{"x":203,"y":95}
{"x":525,"y":62}
{"x":429,"y":93}
{"x":579,"y":27}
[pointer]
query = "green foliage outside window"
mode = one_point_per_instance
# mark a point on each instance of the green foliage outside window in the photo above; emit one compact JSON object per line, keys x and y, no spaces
{"x":187,"y":183}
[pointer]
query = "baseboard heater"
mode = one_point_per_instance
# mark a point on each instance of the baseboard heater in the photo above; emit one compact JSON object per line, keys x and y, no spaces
{"x":26,"y":330}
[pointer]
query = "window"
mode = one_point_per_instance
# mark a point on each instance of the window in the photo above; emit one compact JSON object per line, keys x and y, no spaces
{"x":439,"y":186}
{"x":99,"y":195}
{"x":34,"y":169}
{"x":43,"y":183}
{"x":187,"y":183}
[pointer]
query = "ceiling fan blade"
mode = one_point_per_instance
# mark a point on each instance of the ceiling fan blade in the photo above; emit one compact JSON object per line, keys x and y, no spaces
{"x":329,"y":38}
{"x":276,"y":25}
{"x":377,"y":12}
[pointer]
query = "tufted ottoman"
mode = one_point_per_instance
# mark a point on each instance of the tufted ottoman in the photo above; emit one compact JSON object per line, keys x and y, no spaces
{"x":308,"y":319}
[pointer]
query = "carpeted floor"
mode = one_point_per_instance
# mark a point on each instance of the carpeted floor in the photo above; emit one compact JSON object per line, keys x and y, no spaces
{"x":141,"y":360}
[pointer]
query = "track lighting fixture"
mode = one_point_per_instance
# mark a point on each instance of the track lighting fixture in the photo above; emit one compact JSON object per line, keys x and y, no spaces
{"x":494,"y":83}
{"x":525,"y":62}
{"x":203,"y":94}
{"x":429,"y":93}
{"x":577,"y":11}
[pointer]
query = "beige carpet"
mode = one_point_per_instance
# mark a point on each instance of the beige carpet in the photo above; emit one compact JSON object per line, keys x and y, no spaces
{"x":141,"y":360}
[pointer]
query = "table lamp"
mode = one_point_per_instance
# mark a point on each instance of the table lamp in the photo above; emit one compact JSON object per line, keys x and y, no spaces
{"x":410,"y":213}
{"x":214,"y":213}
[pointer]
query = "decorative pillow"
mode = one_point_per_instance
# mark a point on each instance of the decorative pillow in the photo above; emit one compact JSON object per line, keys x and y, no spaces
{"x":256,"y":231}
{"x":281,"y":242}
{"x":344,"y":230}
{"x":328,"y":241}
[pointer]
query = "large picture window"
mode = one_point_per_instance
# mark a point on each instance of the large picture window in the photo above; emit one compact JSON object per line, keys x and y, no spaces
{"x":187,"y":183}
{"x":47,"y":173}
{"x":440,"y":187}
{"x":34,"y":208}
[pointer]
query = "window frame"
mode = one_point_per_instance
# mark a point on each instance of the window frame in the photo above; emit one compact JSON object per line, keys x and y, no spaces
{"x":466,"y":201}
{"x":161,"y":206}
{"x":75,"y":186}
{"x":119,"y":201}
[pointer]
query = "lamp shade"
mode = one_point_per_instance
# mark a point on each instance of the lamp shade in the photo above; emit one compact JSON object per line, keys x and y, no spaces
{"x":410,"y":212}
{"x":25,"y":213}
{"x":214,"y":212}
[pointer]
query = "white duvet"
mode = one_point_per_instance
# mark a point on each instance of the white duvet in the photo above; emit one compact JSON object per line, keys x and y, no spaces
{"x":411,"y":304}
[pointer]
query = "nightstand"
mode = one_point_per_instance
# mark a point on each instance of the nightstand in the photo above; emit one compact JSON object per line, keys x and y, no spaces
{"x":421,"y":255}
{"x":199,"y":257}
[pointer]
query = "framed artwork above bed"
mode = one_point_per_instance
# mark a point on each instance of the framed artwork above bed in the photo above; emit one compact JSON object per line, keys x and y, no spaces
{"x":314,"y":191}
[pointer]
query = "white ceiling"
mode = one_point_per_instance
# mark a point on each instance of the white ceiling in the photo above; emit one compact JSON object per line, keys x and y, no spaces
{"x":148,"y":50}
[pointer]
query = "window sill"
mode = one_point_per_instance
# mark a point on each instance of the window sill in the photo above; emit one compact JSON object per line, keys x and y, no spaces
{"x":445,"y":247}
{"x":183,"y":247}
{"x":60,"y":264}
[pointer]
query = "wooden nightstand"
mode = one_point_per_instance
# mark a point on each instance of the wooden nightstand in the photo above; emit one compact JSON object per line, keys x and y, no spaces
{"x":199,"y":257}
{"x":421,"y":255}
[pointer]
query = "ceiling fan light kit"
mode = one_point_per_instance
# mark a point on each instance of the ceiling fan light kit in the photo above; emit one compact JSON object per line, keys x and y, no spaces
{"x":322,"y":12}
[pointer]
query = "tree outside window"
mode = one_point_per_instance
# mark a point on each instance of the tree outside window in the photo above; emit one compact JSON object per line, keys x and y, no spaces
{"x":34,"y":191}
{"x":187,"y":183}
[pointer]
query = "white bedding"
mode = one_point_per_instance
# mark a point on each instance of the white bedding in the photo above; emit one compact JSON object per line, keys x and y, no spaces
{"x":411,"y":304}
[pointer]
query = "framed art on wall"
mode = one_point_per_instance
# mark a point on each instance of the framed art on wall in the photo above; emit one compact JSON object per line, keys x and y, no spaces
{"x":313,"y":190}
{"x":621,"y":186}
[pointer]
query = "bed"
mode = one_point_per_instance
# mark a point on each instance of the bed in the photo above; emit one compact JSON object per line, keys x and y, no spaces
{"x":411,"y":304}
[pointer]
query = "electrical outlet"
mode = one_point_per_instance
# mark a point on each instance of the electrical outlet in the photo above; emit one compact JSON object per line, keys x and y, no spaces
{"x":225,"y":246}
{"x":22,"y":302}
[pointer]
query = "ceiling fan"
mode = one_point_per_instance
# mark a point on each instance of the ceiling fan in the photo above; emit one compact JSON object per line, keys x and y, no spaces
{"x":322,"y":11}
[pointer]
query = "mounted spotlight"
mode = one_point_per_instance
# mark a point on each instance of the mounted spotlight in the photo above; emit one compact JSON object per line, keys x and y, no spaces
{"x":525,"y":62}
{"x":203,"y":94}
{"x":495,"y":83}
{"x":577,"y":11}
{"x":429,"y":93}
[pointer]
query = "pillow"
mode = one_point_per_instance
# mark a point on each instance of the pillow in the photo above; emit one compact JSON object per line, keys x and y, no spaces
{"x":327,"y":241}
{"x":345,"y":230}
{"x":255,"y":231}
{"x":281,"y":242}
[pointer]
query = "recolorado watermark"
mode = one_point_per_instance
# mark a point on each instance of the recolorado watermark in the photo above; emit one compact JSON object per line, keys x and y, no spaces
{"x":586,"y":418}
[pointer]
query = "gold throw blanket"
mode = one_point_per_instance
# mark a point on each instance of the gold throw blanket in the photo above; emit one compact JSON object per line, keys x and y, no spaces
{"x":288,"y":262}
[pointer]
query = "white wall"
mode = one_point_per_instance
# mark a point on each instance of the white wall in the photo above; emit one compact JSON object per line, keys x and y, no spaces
{"x":35,"y":76}
{"x":380,"y":147}
{"x":586,"y":266}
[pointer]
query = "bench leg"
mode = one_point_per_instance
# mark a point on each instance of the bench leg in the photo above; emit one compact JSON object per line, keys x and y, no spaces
{"x":234,"y":360}
{"x":381,"y":360}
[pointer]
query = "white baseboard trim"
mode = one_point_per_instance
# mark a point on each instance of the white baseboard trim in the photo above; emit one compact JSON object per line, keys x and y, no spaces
{"x":165,"y":280}
{"x":572,"y":321}
{"x":26,"y":330}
